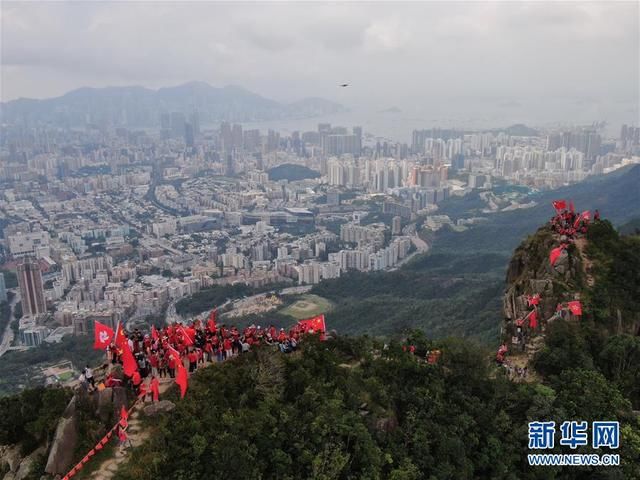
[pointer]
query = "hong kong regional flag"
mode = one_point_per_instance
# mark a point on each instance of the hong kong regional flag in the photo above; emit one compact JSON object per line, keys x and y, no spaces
{"x":103,"y":336}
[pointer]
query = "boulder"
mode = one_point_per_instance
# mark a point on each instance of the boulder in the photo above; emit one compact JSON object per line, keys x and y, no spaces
{"x":27,"y":462}
{"x":156,"y":408}
{"x":104,"y":406}
{"x":10,"y":454}
{"x":64,"y":442}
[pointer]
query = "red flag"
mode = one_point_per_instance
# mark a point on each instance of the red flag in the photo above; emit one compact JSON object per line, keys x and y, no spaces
{"x":575,"y":307}
{"x":120,"y":337}
{"x":124,"y":415}
{"x":534,"y":300}
{"x":586,"y":216}
{"x":103,"y":336}
{"x":316,"y":324}
{"x":533,"y":319}
{"x":559,"y":205}
{"x":211,"y":323}
{"x":181,"y":378}
{"x":154,"y":333}
{"x":555,"y":254}
{"x":571,"y":207}
{"x":155,"y":389}
{"x":129,"y":364}
{"x":188,"y":334}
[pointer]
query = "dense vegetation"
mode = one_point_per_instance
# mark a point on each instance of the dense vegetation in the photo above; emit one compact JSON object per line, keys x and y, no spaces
{"x":22,"y":369}
{"x":291,"y":172}
{"x":209,"y":298}
{"x":346,"y":409}
{"x":615,"y":195}
{"x":442,"y":293}
{"x":607,"y":339}
{"x":30,"y":418}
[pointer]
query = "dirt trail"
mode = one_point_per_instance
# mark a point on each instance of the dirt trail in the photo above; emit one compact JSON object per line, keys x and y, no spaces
{"x":137,"y":436}
{"x":587,"y":264}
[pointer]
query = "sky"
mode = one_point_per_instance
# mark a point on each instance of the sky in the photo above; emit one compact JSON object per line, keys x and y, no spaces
{"x":506,"y":54}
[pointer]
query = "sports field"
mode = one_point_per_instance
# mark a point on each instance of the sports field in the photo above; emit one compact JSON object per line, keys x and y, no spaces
{"x":306,"y":306}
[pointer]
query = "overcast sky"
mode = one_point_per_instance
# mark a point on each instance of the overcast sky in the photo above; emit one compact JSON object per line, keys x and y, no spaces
{"x":392,"y":54}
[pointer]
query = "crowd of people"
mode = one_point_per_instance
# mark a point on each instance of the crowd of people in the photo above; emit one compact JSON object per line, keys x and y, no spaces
{"x":569,"y":223}
{"x":161,"y":353}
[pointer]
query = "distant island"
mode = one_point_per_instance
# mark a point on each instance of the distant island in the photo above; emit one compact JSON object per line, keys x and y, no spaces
{"x":291,"y":172}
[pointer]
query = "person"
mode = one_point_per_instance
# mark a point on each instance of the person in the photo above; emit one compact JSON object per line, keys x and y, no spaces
{"x":88,"y":373}
{"x":123,"y":439}
{"x":83,"y":382}
{"x":193,"y":360}
{"x":596,"y":216}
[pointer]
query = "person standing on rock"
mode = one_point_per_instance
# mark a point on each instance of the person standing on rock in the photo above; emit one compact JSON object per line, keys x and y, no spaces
{"x":88,"y":374}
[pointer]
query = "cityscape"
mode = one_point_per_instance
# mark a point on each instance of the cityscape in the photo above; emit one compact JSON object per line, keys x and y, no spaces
{"x":319,"y":240}
{"x":114,"y":224}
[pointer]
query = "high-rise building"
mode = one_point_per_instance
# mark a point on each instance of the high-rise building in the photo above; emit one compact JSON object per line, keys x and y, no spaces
{"x":31,"y":289}
{"x":3,"y":289}
{"x":396,"y":226}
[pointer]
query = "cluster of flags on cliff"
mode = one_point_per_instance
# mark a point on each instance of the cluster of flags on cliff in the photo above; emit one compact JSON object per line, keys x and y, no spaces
{"x":177,"y":340}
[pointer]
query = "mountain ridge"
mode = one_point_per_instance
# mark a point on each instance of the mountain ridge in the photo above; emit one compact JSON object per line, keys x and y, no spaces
{"x":140,"y":106}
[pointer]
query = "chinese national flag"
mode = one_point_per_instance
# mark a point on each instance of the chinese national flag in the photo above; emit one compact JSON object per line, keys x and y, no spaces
{"x":154,"y":333}
{"x":559,"y":205}
{"x":129,"y":364}
{"x":124,"y":415}
{"x":555,"y":254}
{"x":181,"y":378}
{"x":575,"y":307}
{"x":316,"y":324}
{"x":103,"y":336}
{"x":120,"y":337}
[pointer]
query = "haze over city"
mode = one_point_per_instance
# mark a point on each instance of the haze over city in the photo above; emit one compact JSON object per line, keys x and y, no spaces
{"x":319,"y":240}
{"x":538,"y":62}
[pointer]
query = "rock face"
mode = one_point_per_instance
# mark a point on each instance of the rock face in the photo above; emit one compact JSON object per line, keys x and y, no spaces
{"x":27,"y":463}
{"x":10,"y":456}
{"x":159,"y":407}
{"x":530,"y":272}
{"x":64,"y":441}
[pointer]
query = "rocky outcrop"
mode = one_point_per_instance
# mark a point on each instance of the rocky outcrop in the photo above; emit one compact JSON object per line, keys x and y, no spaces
{"x":10,"y":457}
{"x":156,"y":408}
{"x":64,"y":442}
{"x":27,"y":463}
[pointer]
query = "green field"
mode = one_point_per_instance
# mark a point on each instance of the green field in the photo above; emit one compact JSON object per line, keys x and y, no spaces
{"x":307,"y":306}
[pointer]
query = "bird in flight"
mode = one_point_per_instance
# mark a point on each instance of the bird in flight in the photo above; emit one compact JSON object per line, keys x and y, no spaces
{"x":344,"y":84}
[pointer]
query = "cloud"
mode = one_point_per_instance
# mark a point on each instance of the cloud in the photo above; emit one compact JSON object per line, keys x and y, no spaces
{"x":406,"y":54}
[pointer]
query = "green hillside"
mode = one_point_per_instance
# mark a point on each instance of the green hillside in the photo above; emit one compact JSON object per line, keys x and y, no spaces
{"x":291,"y":172}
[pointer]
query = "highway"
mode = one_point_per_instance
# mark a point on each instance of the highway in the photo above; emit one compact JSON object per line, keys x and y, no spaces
{"x":7,"y":337}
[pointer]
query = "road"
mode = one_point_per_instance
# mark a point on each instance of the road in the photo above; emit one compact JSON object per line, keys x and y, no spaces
{"x":7,"y":337}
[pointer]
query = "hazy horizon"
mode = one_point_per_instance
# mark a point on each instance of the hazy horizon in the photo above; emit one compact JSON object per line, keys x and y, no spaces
{"x":535,"y":62}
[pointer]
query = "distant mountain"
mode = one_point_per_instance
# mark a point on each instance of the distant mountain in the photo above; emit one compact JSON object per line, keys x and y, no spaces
{"x":391,"y":110}
{"x":142,"y":107}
